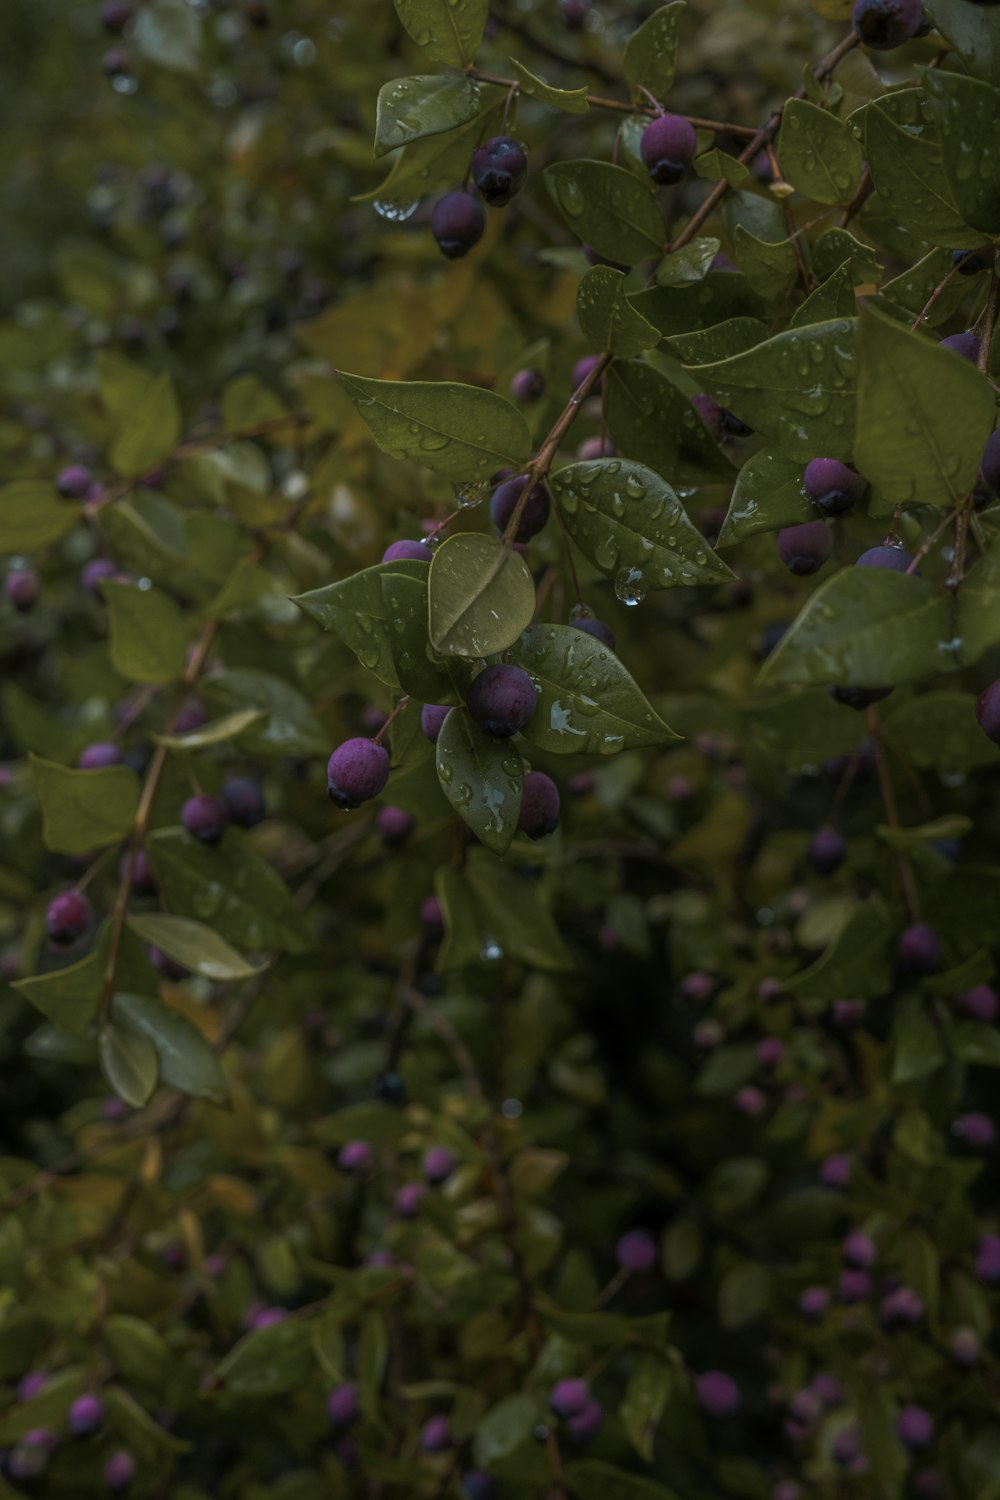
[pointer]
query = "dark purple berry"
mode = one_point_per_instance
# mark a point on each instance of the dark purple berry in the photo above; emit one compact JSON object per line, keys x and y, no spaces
{"x":477,"y":1485}
{"x":96,"y":573}
{"x":586,"y":1424}
{"x":86,"y":1415}
{"x":539,"y":813}
{"x":988,"y":1259}
{"x":971,"y":262}
{"x":95,"y":757}
{"x":883,"y":24}
{"x":115,"y":16}
{"x":668,"y":145}
{"x":976,"y":1130}
{"x":205,"y":818}
{"x":357,"y":771}
{"x":534,"y":515}
{"x":73,"y":482}
{"x":574,"y":12}
{"x":848,"y":1013}
{"x":432,"y":917}
{"x":989,"y":467}
{"x":858,"y":1250}
{"x":498,"y":169}
{"x":408,"y":1200}
{"x":832,"y":486}
{"x":854,"y":1286}
{"x":636,"y":1250}
{"x":116,"y":63}
{"x":569,"y":1397}
{"x":901,"y":1307}
{"x":342,"y":1405}
{"x":458,"y":221}
{"x":858,"y":698}
{"x":805,"y":548}
{"x":835,"y":1170}
{"x":734,"y":426}
{"x":585,"y":367}
{"x":22,"y":589}
{"x":245,"y":800}
{"x":439,"y":1163}
{"x":407,"y":551}
{"x":502,"y":700}
{"x":964,"y":344}
{"x":435,"y":1435}
{"x":980,"y":1003}
{"x":813,"y":1303}
{"x":988,"y":711}
{"x":718,"y":1394}
{"x":395,"y":826}
{"x":710,"y":413}
{"x":166,"y":966}
{"x":597,"y":628}
{"x":67,"y":918}
{"x":596,"y":447}
{"x":119,"y":1471}
{"x":919,"y":950}
{"x":355,"y":1156}
{"x":528,"y":386}
{"x":895,"y":559}
{"x":432,"y":716}
{"x":827,"y":851}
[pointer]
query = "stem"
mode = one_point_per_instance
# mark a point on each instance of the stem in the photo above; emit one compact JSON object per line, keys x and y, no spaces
{"x":906,"y":880}
{"x":992,"y":308}
{"x":400,"y":707}
{"x":620,"y":106}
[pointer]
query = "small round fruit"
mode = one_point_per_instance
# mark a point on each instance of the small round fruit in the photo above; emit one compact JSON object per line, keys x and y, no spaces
{"x":668,"y":145}
{"x":980,"y":1003}
{"x":115,"y":16}
{"x":355,"y":1156}
{"x":586,"y":1424}
{"x":357,"y":771}
{"x":539,"y":813}
{"x":976,"y":1129}
{"x":67,"y":918}
{"x":805,"y":548}
{"x":439,"y":1163}
{"x":971,"y":262}
{"x":858,"y":1250}
{"x":710,"y":413}
{"x":205,"y":818}
{"x":458,"y":222}
{"x":395,"y":826}
{"x":99,"y":755}
{"x":988,"y":711}
{"x":86,"y":1415}
{"x":919,"y":950}
{"x":718,"y":1394}
{"x":894,"y":559}
{"x":245,"y":801}
{"x":499,"y":167}
{"x":22,"y":589}
{"x":528,"y":386}
{"x":989,"y":466}
{"x":915,"y":1427}
{"x":636,"y":1250}
{"x":435,"y":1435}
{"x":119,"y":1471}
{"x":477,"y":1485}
{"x":585,"y":367}
{"x":432,"y":716}
{"x":407,"y":551}
{"x":884,"y":24}
{"x":827,"y":851}
{"x":536,"y":508}
{"x":569,"y":1397}
{"x":342,"y":1405}
{"x":73,"y":482}
{"x":432,"y":917}
{"x":964,"y":344}
{"x":833,"y":488}
{"x":858,"y":698}
{"x":502,"y":700}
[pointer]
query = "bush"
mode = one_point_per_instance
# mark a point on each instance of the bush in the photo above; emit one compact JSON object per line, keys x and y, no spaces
{"x":500,"y":652}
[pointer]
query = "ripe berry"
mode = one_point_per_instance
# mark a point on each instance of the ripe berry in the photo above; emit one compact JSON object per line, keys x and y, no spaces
{"x":596,"y":447}
{"x":395,"y":826}
{"x":86,"y":1415}
{"x":587,"y":1423}
{"x":718,"y":1394}
{"x":95,"y":757}
{"x":168,"y":967}
{"x":770,"y":1052}
{"x":355,"y":1156}
{"x":115,"y":16}
{"x":883,"y":24}
{"x":597,"y":628}
{"x":95,"y":573}
{"x":636,"y":1250}
{"x":989,"y":467}
{"x":458,"y":221}
{"x":205,"y":818}
{"x":668,"y":145}
{"x":390,"y":1087}
{"x":805,"y":548}
{"x":477,"y":1485}
{"x":710,"y":413}
{"x":827,"y":851}
{"x":583,"y":368}
{"x":406,"y":551}
{"x":900,"y":1307}
{"x":432,"y":716}
{"x":528,"y":386}
{"x":357,"y":771}
{"x":408,"y":1199}
{"x":734,"y":426}
{"x":854,"y":1286}
{"x":22,"y":588}
{"x":245,"y":801}
{"x":971,"y":262}
{"x":988,"y":1259}
{"x":439,"y":1163}
{"x":502,"y":700}
{"x":116,"y":63}
{"x":832,"y":486}
{"x":814,"y":1302}
{"x":119,"y":1471}
{"x":432,"y":917}
{"x":895,"y":559}
{"x":964,"y":344}
{"x":30,"y":1457}
{"x":342,"y":1405}
{"x":976,"y":1129}
{"x":539,"y":813}
{"x":533,"y":516}
{"x":988,"y":711}
{"x":858,"y":1249}
{"x":749,"y":1100}
{"x":858,"y":698}
{"x":835,"y":1170}
{"x":435,"y":1435}
{"x":574,"y":12}
{"x":67,"y":918}
{"x":73,"y":482}
{"x":498,"y":169}
{"x":846,"y":1447}
{"x":980,"y":1003}
{"x":919,"y":950}
{"x":569,"y":1397}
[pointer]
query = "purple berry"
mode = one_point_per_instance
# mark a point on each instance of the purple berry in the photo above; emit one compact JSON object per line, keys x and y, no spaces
{"x":432,"y":916}
{"x":980,"y":1003}
{"x":915,"y":1427}
{"x":86,"y":1415}
{"x":168,"y":967}
{"x":988,"y":711}
{"x":96,"y":757}
{"x":586,"y":1424}
{"x":502,"y":700}
{"x":67,"y":918}
{"x":966,"y":345}
{"x":32,"y":1384}
{"x":498,"y":169}
{"x":597,"y":628}
{"x":858,"y":1249}
{"x":435,"y":1435}
{"x":827,"y":851}
{"x":476,"y":1485}
{"x":574,"y":12}
{"x":569,"y":1397}
{"x":832,"y":486}
{"x":884,"y":24}
{"x":73,"y":482}
{"x":528,"y":386}
{"x":710,"y":413}
{"x":971,"y":262}
{"x":115,"y":16}
{"x":408,"y":1200}
{"x":636,"y":1250}
{"x":539,"y":814}
{"x":814,"y":1302}
{"x":847,"y":1013}
{"x":718,"y":1394}
{"x":854,"y":1286}
{"x":27,"y":1460}
{"x":901,"y":1307}
{"x":342,"y":1406}
{"x":432,"y":716}
{"x":355,"y":1156}
{"x":22,"y":588}
{"x":458,"y":222}
{"x":965,"y":1346}
{"x":846,"y":1446}
{"x":930,"y":1484}
{"x":828,"y":1388}
{"x":749,"y":1100}
{"x":770,"y":1052}
{"x":357,"y":771}
{"x":835,"y":1171}
{"x":119,"y":1471}
{"x":245,"y":801}
{"x":95,"y":573}
{"x":708,"y":1034}
{"x":394,"y":826}
{"x":585,"y":367}
{"x":804,"y":549}
{"x":205,"y":818}
{"x":534,"y":515}
{"x":919,"y":951}
{"x":439,"y":1163}
{"x":698,"y":987}
{"x":989,"y":468}
{"x":668,"y":145}
{"x":988,"y":1258}
{"x":895,"y":559}
{"x":596,"y":447}
{"x":143,"y":879}
{"x":976,"y":1129}
{"x":407,"y":551}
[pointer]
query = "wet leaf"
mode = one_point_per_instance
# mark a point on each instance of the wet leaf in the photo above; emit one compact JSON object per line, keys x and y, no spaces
{"x":459,"y":431}
{"x":608,"y":319}
{"x":192,"y":944}
{"x":482,"y":778}
{"x":819,"y":154}
{"x":409,"y":108}
{"x":128,"y":1062}
{"x":767,"y":496}
{"x":85,"y":810}
{"x":609,"y":208}
{"x":480,"y":597}
{"x":651,"y":53}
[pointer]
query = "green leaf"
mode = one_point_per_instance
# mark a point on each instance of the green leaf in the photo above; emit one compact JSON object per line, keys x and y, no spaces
{"x":609,"y":208}
{"x":744,"y":1293}
{"x":192,"y":944}
{"x":139,"y":1353}
{"x":630,"y":524}
{"x":587,"y":702}
{"x":938,"y":731}
{"x":768,"y":495}
{"x":608,"y":319}
{"x":380,"y":1124}
{"x":858,"y":961}
{"x":924,"y":415}
{"x":653,"y":422}
{"x":406,"y":614}
{"x":644,"y":1402}
{"x":373,"y":1351}
{"x":836,"y":247}
{"x":137,"y":1429}
{"x":128,"y":1062}
{"x":288,"y":725}
{"x":720,"y":296}
{"x":246,"y":402}
{"x":833,"y":298}
{"x":819,"y":154}
{"x":866,"y":627}
{"x":719,"y":166}
{"x":651,"y":54}
{"x":769,"y":265}
{"x":706,"y":345}
{"x":445,"y":32}
{"x":217,"y":732}
{"x":431,"y":164}
{"x":49,"y":1408}
{"x":904,"y":155}
{"x":409,"y":108}
{"x":482,"y":778}
{"x":149,"y":636}
{"x":32,"y":516}
{"x":480,"y":597}
{"x":68,"y":996}
{"x":591,"y":1479}
{"x":570,"y":101}
{"x":355,"y":609}
{"x":689,"y":264}
{"x":974,"y":32}
{"x":506,"y":1427}
{"x":974,"y":1042}
{"x":150,"y":430}
{"x":186,"y":1061}
{"x":168,"y":32}
{"x":798,"y":388}
{"x":84,"y":810}
{"x":238,"y":892}
{"x":459,"y":431}
{"x":917,"y":1043}
{"x":269,"y":1361}
{"x":515,"y":920}
{"x":979,"y":607}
